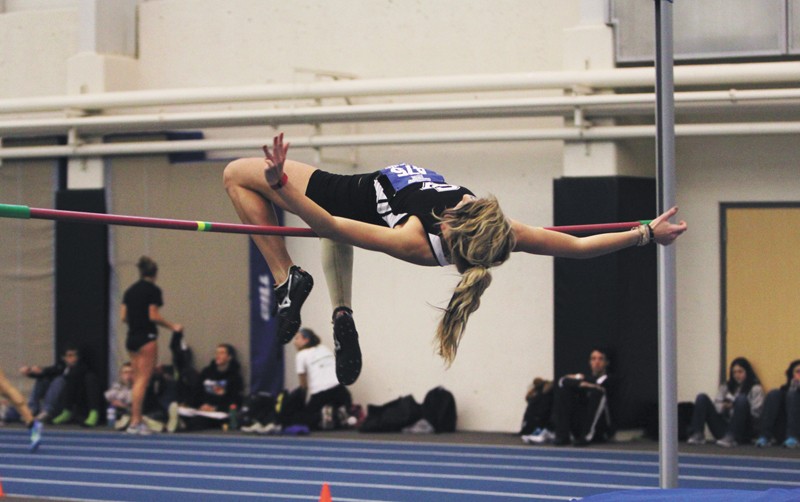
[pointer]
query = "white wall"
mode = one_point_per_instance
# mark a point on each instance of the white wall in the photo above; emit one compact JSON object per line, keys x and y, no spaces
{"x":207,"y":42}
{"x":35,"y":46}
{"x":192,"y":43}
{"x":712,"y":171}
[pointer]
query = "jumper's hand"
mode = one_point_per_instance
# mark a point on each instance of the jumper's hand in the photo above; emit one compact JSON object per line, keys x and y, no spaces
{"x":665,"y":232}
{"x":274,"y":159}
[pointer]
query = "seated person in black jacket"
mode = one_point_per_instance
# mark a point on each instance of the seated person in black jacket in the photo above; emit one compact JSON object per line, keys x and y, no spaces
{"x":780,"y":420}
{"x":580,"y":408}
{"x":65,"y":389}
{"x":219,"y":388}
{"x":171,"y":386}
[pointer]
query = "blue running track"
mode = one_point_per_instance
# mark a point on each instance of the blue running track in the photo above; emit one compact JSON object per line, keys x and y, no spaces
{"x":105,"y":466}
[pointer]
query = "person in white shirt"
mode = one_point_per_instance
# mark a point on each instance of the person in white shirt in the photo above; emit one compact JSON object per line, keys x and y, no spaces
{"x":329,"y":401}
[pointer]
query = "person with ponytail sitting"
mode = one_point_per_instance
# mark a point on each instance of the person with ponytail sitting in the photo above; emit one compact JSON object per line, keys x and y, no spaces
{"x":405,"y":211}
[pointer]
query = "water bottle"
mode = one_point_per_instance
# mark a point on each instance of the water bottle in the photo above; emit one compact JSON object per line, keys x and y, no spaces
{"x":233,"y":418}
{"x":111,"y":416}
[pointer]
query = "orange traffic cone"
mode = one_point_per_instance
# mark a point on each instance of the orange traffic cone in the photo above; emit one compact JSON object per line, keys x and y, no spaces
{"x":325,"y":494}
{"x":3,"y":494}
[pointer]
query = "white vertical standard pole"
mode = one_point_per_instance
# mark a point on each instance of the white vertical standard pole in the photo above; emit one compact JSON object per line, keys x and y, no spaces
{"x":665,"y":184}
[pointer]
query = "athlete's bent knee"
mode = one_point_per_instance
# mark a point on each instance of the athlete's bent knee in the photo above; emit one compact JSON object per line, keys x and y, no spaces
{"x":232,"y":173}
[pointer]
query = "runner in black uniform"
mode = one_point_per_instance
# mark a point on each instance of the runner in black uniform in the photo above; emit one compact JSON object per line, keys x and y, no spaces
{"x":407,"y":212}
{"x":140,"y":310}
{"x":137,"y":300}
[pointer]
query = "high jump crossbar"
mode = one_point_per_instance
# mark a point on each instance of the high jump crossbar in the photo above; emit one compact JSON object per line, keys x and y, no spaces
{"x":25,"y":212}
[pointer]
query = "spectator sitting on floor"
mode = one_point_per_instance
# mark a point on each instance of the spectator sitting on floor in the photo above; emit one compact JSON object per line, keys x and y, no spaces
{"x":119,"y":396}
{"x":157,"y":398}
{"x":580,"y":406}
{"x":539,"y":409}
{"x":733,"y":415}
{"x":170,"y":385}
{"x":329,"y":401}
{"x":154,"y":416}
{"x":181,"y":377}
{"x":60,"y":390}
{"x":780,"y":421}
{"x":220,"y":388}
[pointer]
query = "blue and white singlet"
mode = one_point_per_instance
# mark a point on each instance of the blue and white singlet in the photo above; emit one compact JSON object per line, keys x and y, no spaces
{"x":404,"y":189}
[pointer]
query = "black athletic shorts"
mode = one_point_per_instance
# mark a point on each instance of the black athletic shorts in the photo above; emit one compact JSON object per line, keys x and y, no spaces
{"x":137,"y":339}
{"x":349,"y":196}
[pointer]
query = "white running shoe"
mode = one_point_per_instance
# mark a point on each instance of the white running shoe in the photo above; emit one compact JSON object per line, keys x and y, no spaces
{"x":153,"y":424}
{"x":544,"y":437}
{"x":139,"y":429}
{"x":526,"y":438}
{"x":727,"y":442}
{"x":696,"y":438}
{"x":271,"y":429}
{"x":122,"y":422}
{"x":255,"y":427}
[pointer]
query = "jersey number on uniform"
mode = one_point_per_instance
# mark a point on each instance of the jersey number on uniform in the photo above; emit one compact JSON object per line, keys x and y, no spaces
{"x":402,"y":170}
{"x":439,"y":187}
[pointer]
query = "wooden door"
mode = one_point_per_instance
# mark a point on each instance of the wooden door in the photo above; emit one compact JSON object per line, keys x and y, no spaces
{"x":761,"y":287}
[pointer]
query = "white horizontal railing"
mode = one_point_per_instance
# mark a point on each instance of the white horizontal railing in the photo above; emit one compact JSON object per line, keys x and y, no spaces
{"x":604,"y":105}
{"x":753,"y":73}
{"x":607,"y":133}
{"x":90,"y":114}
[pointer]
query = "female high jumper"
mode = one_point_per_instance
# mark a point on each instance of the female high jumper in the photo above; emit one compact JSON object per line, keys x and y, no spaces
{"x":404,"y":211}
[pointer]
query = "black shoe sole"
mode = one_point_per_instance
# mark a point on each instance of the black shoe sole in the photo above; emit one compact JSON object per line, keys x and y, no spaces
{"x":348,"y":352}
{"x":289,"y":320}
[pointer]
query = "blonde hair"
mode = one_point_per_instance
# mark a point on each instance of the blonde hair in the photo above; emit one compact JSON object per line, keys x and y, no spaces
{"x":479,"y":236}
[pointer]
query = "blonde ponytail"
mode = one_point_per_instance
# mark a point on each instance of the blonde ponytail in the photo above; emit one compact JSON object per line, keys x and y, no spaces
{"x":465,"y":300}
{"x":478,"y":236}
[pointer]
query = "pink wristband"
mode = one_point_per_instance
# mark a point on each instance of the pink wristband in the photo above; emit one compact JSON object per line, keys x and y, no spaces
{"x":281,"y":182}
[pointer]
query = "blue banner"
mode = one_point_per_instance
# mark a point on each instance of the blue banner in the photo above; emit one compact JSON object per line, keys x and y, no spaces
{"x":266,"y":352}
